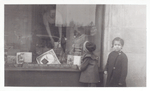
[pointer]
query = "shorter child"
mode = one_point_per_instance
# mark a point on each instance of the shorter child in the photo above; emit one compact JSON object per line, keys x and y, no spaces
{"x":116,"y":67}
{"x":89,"y":65}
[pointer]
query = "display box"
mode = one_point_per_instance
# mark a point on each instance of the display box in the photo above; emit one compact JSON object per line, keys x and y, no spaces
{"x":74,"y":60}
{"x":23,"y":57}
{"x":48,"y":57}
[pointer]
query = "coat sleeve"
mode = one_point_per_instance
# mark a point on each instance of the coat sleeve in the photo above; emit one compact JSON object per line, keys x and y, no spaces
{"x":124,"y":70}
{"x":85,"y":63}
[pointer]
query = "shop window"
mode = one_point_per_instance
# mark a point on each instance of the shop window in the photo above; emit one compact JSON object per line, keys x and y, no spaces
{"x":70,"y":26}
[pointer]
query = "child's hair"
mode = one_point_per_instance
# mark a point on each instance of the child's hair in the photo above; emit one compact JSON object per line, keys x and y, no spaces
{"x":117,"y":39}
{"x":90,"y":46}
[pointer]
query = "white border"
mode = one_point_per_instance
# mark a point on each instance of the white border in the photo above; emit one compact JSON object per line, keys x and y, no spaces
{"x":2,"y":2}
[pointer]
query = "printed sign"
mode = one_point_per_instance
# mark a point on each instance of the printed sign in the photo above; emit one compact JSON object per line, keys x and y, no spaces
{"x":23,"y":57}
{"x":48,"y":57}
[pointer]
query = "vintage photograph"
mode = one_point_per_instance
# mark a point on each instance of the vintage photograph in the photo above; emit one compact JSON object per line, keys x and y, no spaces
{"x":75,"y":45}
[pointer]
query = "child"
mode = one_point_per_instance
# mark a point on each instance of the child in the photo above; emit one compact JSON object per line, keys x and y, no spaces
{"x":116,"y":67}
{"x":89,"y":65}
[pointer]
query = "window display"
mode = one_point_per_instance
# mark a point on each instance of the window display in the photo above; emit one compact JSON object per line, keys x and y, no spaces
{"x":60,"y":31}
{"x":79,"y":24}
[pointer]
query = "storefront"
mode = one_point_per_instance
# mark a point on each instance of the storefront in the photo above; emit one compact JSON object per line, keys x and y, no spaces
{"x":26,"y":33}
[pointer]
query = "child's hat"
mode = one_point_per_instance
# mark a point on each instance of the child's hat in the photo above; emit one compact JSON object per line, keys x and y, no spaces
{"x":89,"y":46}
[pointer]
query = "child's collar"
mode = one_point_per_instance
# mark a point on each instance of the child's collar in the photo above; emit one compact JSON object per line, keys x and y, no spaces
{"x":119,"y":52}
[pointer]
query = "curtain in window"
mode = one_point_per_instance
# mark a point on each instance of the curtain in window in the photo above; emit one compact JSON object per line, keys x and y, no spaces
{"x":81,"y":15}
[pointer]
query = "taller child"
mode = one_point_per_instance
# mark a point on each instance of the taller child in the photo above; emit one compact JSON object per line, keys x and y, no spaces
{"x":117,"y":65}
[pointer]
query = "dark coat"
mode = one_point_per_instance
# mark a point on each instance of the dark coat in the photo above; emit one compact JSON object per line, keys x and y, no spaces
{"x":116,"y":68}
{"x":89,"y":69}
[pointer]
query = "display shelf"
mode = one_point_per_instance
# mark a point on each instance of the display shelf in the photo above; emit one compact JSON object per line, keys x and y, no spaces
{"x":42,"y":67}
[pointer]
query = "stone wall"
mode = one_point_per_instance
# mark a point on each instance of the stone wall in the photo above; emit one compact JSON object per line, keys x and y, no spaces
{"x":129,"y":23}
